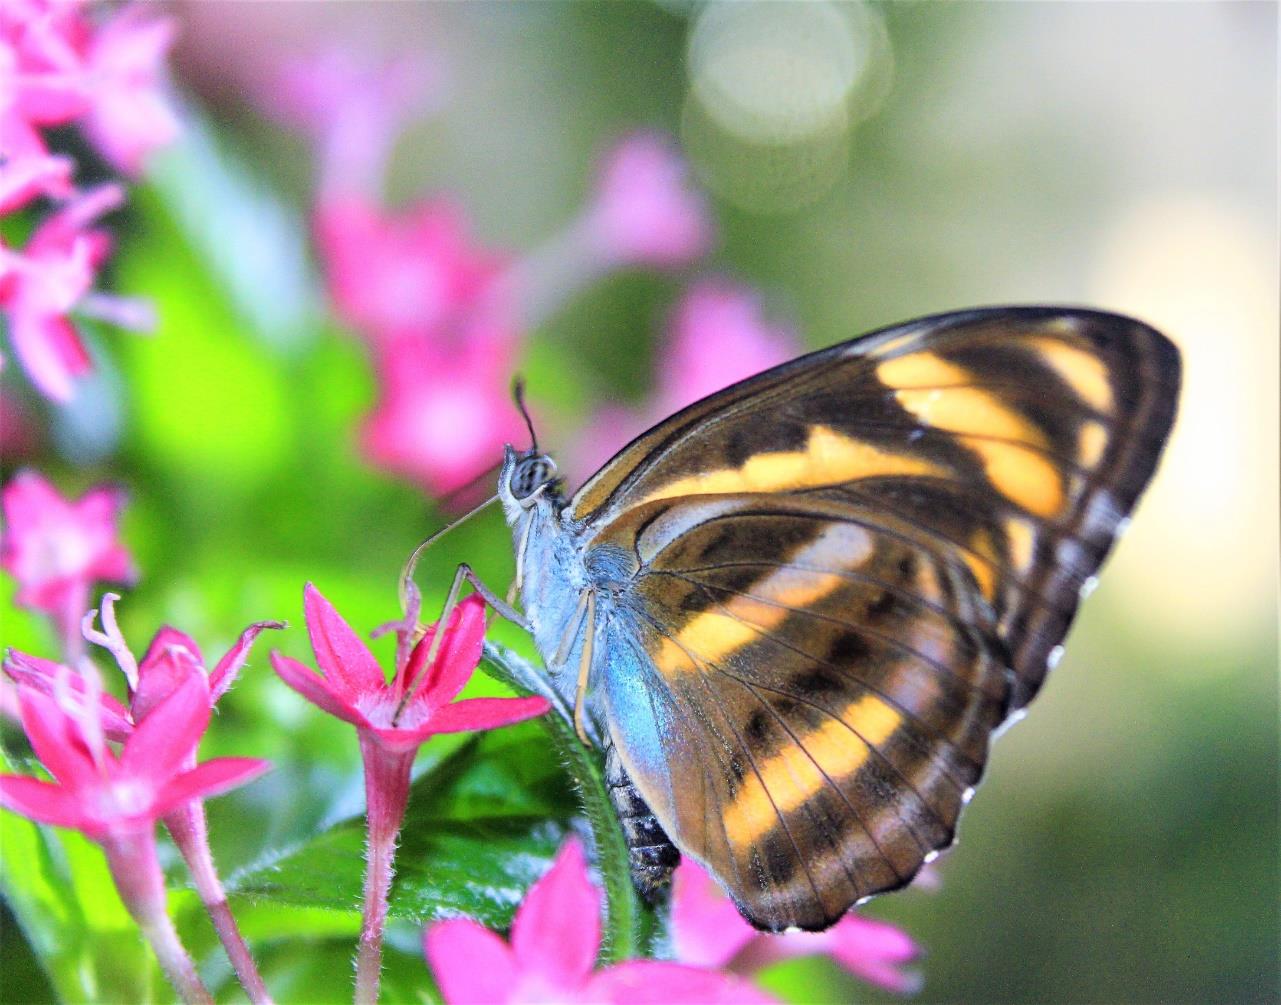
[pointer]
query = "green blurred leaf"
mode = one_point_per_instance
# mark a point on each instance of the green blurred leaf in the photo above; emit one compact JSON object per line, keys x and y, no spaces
{"x":483,"y":824}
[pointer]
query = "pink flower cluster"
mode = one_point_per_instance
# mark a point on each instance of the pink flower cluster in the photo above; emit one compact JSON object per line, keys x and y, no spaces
{"x":61,"y":63}
{"x":444,"y":318}
{"x":119,"y":768}
{"x":551,"y":957}
{"x":707,"y":930}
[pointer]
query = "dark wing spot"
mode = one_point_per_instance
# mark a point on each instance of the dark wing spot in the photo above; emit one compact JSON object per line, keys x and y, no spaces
{"x":882,"y":605}
{"x":849,"y":647}
{"x":739,"y":448}
{"x":817,"y":681}
{"x":779,"y":855}
{"x":758,"y":726}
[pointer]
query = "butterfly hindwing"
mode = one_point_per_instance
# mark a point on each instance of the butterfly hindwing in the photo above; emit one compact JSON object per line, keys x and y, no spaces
{"x":847,"y":572}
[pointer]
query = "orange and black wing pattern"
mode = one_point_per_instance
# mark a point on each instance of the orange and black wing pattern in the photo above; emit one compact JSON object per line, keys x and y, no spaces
{"x":848,"y":572}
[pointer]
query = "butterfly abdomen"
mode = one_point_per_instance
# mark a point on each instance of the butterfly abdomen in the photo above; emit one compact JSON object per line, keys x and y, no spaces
{"x":653,"y":856}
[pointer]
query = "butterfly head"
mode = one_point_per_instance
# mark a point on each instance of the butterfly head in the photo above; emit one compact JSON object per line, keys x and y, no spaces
{"x":525,"y":478}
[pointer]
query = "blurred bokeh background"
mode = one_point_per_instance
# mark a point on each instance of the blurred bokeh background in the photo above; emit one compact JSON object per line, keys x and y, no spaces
{"x":862,"y":165}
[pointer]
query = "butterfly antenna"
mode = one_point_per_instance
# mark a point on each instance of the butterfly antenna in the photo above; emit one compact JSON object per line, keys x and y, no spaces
{"x":411,"y":563}
{"x":518,"y":392}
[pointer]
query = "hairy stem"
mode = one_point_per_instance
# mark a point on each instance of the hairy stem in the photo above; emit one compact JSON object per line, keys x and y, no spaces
{"x":386,"y":796}
{"x":190,"y":833}
{"x":136,"y":871}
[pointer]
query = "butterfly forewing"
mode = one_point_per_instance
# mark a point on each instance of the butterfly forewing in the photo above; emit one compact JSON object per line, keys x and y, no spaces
{"x":849,"y":570}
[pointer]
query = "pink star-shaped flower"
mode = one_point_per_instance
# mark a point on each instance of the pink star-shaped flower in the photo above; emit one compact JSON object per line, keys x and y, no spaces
{"x":718,"y":334}
{"x":354,"y":688}
{"x":645,"y":211}
{"x":406,"y":272}
{"x":104,"y":794}
{"x":41,"y":285}
{"x":130,"y":114}
{"x":555,"y":939}
{"x":393,"y":720}
{"x":41,"y":65}
{"x":172,"y":659}
{"x":58,"y":548}
{"x":708,"y":930}
{"x":444,"y":410}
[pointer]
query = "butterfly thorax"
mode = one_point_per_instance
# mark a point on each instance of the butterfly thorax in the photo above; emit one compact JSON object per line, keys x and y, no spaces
{"x":549,"y":563}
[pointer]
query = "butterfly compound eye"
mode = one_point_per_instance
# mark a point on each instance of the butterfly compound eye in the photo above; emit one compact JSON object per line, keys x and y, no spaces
{"x":529,"y":475}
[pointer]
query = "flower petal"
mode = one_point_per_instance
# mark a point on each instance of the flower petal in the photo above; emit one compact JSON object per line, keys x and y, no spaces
{"x":874,"y":950}
{"x":651,"y":982}
{"x":50,"y":351}
{"x":707,"y":929}
{"x":211,"y":778}
{"x":166,"y":639}
{"x":471,"y":963}
{"x":484,"y":713}
{"x":316,"y":689}
{"x":563,"y":954}
{"x":56,"y":739}
{"x":460,"y":651}
{"x":172,"y":657}
{"x":229,"y":666}
{"x":162,"y":742}
{"x":43,"y":802}
{"x":345,"y":659}
{"x":40,"y":674}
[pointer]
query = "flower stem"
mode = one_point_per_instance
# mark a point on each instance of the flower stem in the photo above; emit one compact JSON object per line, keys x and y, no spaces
{"x":190,"y":833}
{"x":386,"y":796}
{"x":136,"y":871}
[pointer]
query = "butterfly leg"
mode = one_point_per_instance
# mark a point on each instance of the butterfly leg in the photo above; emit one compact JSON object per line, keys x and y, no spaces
{"x":585,"y":666}
{"x":464,"y":573}
{"x":519,"y":579}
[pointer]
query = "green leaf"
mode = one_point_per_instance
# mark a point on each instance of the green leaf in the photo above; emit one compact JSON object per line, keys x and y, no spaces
{"x":483,"y":824}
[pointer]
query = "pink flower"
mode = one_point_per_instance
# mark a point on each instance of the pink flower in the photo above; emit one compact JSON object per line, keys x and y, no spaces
{"x":51,"y":277}
{"x":393,"y":720}
{"x":645,"y":211}
{"x":130,"y":115}
{"x":171,"y":658}
{"x":354,"y":688}
{"x":104,"y":794}
{"x":412,"y":272}
{"x":27,"y":169}
{"x":57,"y":549}
{"x":444,"y":409}
{"x":116,"y":799}
{"x":708,"y":930}
{"x":354,"y":107}
{"x":555,"y":939}
{"x":718,"y":335}
{"x":41,"y":66}
{"x":58,"y":681}
{"x":60,"y":68}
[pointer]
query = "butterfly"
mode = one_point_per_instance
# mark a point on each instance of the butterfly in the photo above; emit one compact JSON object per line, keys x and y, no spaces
{"x":794,"y":614}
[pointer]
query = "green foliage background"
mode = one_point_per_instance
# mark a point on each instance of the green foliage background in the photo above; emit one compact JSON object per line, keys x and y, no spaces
{"x":1124,"y":846}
